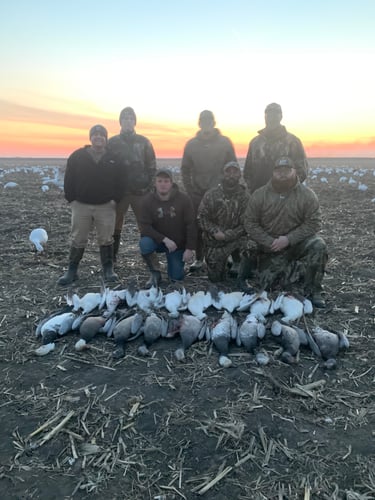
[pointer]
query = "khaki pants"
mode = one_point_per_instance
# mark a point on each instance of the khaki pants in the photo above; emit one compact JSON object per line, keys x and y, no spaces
{"x":87,"y":217}
{"x":133,"y":200}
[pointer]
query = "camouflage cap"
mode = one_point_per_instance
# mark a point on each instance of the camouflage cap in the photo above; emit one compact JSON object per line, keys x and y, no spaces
{"x":233,"y":164}
{"x":284,"y":161}
{"x":164,"y":172}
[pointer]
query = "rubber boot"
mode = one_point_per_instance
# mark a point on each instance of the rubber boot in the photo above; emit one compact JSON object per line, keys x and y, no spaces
{"x":106,"y":257}
{"x":246,"y":270}
{"x":71,"y":275}
{"x":116,"y":245}
{"x":152,"y":262}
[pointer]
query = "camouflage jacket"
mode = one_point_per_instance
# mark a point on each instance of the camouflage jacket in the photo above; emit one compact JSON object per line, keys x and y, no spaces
{"x":221,"y":210}
{"x":295,"y":214}
{"x":203,"y":160}
{"x":265,"y":149}
{"x":137,"y":156}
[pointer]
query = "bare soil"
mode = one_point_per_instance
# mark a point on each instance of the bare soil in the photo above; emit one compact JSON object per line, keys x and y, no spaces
{"x":83,"y":425}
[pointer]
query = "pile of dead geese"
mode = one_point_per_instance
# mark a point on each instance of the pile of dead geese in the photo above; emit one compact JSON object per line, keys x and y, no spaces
{"x":241,"y":318}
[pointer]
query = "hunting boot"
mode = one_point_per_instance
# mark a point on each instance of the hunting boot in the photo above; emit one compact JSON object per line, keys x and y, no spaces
{"x":106,"y":257}
{"x":246,"y":270}
{"x":235,"y":265}
{"x":313,"y":288}
{"x":152,"y":262}
{"x":116,"y":245}
{"x":71,"y":275}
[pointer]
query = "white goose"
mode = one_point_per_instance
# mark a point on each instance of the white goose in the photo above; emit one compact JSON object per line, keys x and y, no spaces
{"x":39,"y":237}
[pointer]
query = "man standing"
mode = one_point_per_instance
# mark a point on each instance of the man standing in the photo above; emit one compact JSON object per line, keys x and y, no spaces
{"x":137,"y":155}
{"x":271,"y":143}
{"x":202,"y":166}
{"x":283,"y":218}
{"x":220,"y":216}
{"x":167,"y":225}
{"x":93,"y":184}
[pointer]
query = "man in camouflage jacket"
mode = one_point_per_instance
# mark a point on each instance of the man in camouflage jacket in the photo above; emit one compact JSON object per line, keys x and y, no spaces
{"x":220,"y":217}
{"x":137,"y":156}
{"x":202,"y":166}
{"x":283,"y":218}
{"x":271,"y":143}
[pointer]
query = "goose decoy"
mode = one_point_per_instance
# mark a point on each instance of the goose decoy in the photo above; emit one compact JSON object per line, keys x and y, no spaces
{"x":221,"y":335}
{"x":250,"y":332}
{"x":39,"y":237}
{"x":288,"y":339}
{"x":122,"y":331}
{"x":88,"y":329}
{"x":191,"y":330}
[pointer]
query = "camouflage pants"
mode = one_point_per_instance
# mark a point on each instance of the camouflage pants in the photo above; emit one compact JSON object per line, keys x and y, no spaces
{"x":305,"y":261}
{"x":217,"y":259}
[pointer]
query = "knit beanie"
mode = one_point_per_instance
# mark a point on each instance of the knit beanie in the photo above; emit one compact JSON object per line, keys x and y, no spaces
{"x":128,"y":111}
{"x":98,"y":129}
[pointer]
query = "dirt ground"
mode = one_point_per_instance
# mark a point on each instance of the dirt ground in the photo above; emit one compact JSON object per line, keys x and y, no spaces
{"x":83,"y":425}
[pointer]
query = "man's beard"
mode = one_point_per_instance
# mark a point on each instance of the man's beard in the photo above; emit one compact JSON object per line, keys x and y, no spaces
{"x":283,"y":185}
{"x":230,"y":184}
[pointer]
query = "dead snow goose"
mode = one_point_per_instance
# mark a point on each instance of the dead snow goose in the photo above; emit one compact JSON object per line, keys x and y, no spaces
{"x":250,"y":332}
{"x":154,"y":327}
{"x":198,"y":303}
{"x":221,"y":335}
{"x":288,"y":339}
{"x":88,"y":329}
{"x":123,"y":329}
{"x":191,"y":330}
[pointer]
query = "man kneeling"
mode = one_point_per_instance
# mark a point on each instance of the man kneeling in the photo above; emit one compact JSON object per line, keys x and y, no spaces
{"x":283,"y":219}
{"x":167,"y":225}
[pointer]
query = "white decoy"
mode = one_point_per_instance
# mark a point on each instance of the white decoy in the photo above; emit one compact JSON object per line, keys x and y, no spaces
{"x":11,"y":185}
{"x":198,"y":303}
{"x":38,"y":237}
{"x":44,"y":188}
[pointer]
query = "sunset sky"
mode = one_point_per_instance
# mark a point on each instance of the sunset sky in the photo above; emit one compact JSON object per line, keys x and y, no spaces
{"x":66,"y":66}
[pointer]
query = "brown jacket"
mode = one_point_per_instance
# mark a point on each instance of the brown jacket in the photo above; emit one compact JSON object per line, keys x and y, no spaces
{"x":295,"y":214}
